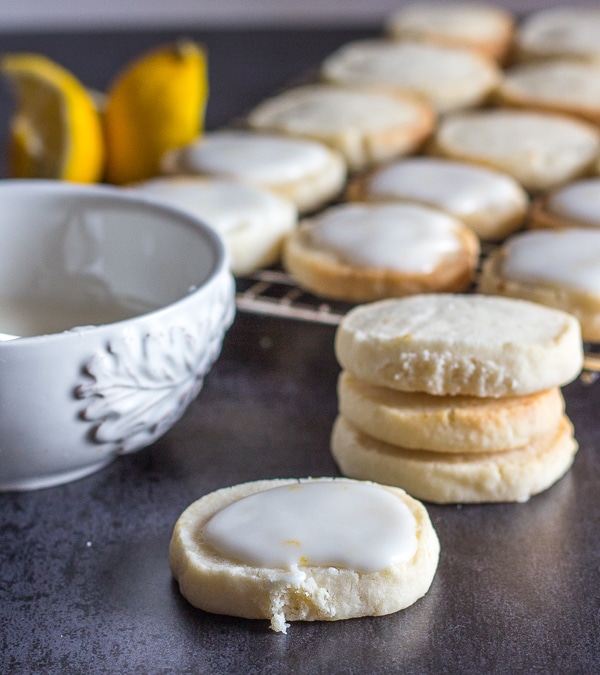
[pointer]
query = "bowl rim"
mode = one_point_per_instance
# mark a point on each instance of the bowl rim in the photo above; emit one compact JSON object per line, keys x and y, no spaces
{"x":120,"y":195}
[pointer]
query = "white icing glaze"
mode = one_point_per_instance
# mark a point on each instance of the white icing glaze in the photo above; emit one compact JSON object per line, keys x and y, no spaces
{"x":566,"y":29}
{"x":355,"y":526}
{"x":403,"y":237}
{"x":459,"y":188}
{"x":565,"y":257}
{"x":578,"y":201}
{"x":327,"y":109}
{"x":223,"y":205}
{"x":260,"y":158}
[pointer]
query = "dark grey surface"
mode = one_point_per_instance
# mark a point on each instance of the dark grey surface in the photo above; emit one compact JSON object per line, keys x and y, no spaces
{"x":84,"y":579}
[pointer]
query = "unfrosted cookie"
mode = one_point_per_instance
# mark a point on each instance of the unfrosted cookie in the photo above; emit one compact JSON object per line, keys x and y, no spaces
{"x":560,"y":32}
{"x":468,"y":344}
{"x":252,"y":221}
{"x":455,"y":424}
{"x":444,"y":478}
{"x":557,"y":268}
{"x":558,"y":85}
{"x":363,"y":252}
{"x":449,"y":78}
{"x":541,"y":150}
{"x":367,"y":127}
{"x":493,"y":204}
{"x":286,"y":550}
{"x":307,"y":172}
{"x":486,"y":28}
{"x":576,"y":204}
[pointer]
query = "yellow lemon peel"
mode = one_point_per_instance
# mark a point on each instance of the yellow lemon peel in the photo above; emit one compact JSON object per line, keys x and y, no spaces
{"x":156,"y":104}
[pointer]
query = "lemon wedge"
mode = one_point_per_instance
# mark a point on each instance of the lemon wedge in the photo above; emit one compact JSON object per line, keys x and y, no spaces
{"x":156,"y":104}
{"x":56,"y":129}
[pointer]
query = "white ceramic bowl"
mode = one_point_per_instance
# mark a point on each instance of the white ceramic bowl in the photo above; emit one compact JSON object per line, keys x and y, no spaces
{"x":151,"y":292}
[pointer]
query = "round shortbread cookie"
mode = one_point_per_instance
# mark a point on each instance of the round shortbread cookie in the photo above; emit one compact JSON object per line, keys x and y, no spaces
{"x":444,"y":478}
{"x":560,"y":86}
{"x":449,"y":78}
{"x":367,"y":126}
{"x":540,"y":150}
{"x":576,"y":204}
{"x":493,"y":204}
{"x":248,"y":564}
{"x":473,"y":345}
{"x":364,"y":252}
{"x":307,"y":172}
{"x":486,"y":28}
{"x":556,"y":268}
{"x":560,"y":32}
{"x":252,"y":221}
{"x":458,"y":424}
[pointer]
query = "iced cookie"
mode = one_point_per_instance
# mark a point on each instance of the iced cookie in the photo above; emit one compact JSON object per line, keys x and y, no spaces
{"x":363,"y":252}
{"x":493,"y":204}
{"x":449,"y":78}
{"x":540,"y":150}
{"x":576,"y":204}
{"x":252,"y":221}
{"x":286,"y":550}
{"x":468,"y":344}
{"x":485,"y":28}
{"x":559,"y":85}
{"x":307,"y":172}
{"x":444,"y":478}
{"x":367,"y":127}
{"x":557,"y":268}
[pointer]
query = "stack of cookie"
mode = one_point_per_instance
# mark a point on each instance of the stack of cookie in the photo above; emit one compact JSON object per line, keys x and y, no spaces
{"x":455,"y":398}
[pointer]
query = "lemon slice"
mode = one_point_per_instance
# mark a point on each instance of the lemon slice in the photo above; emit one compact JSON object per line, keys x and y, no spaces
{"x":156,"y":104}
{"x":56,"y":129}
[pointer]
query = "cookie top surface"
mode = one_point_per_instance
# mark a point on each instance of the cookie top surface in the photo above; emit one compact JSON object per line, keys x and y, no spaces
{"x":446,"y":344}
{"x":449,"y":78}
{"x":405,"y":237}
{"x":262,"y":158}
{"x":566,"y":258}
{"x":578,"y":201}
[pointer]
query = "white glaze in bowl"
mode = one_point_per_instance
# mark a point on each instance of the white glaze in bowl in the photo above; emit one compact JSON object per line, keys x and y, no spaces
{"x":72,"y":400}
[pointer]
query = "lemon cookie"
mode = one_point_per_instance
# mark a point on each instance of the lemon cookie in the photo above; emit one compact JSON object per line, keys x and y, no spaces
{"x":485,"y":28}
{"x":540,"y":150}
{"x":510,"y":476}
{"x":449,"y":78}
{"x":493,"y":204}
{"x":558,"y":85}
{"x":456,"y":424}
{"x":468,"y":344}
{"x":557,"y":268}
{"x":363,"y":252}
{"x":576,"y":204}
{"x":560,"y":32}
{"x":252,"y":221}
{"x":285,"y":550}
{"x":305,"y":171}
{"x":367,"y":127}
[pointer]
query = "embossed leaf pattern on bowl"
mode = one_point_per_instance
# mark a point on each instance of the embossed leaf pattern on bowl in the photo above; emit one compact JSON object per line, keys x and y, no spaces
{"x":142,"y":383}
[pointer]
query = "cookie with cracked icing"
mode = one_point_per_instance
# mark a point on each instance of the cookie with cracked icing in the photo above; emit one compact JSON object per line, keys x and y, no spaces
{"x":486,"y":28}
{"x":307,"y":172}
{"x":444,"y":478}
{"x":364,"y":252}
{"x":541,"y":150}
{"x":474,"y":345}
{"x":553,"y":267}
{"x":230,"y":556}
{"x":449,"y":78}
{"x":368,"y":126}
{"x":253,"y":222}
{"x":448,"y":424}
{"x":492,"y":203}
